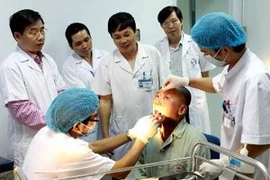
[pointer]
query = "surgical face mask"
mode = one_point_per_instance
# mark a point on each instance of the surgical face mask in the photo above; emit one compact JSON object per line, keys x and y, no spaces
{"x":212,"y":60}
{"x":89,"y":131}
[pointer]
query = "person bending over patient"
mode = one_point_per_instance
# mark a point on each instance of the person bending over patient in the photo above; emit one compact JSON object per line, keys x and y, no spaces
{"x":56,"y":151}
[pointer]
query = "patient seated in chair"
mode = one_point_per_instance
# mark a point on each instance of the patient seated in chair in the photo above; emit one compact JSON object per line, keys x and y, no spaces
{"x":175,"y":137}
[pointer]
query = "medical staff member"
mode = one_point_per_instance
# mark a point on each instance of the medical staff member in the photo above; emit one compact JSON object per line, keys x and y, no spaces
{"x":80,"y":68}
{"x":244,"y":85}
{"x":184,"y":58}
{"x":127,"y":79}
{"x":29,"y":81}
{"x":56,"y":151}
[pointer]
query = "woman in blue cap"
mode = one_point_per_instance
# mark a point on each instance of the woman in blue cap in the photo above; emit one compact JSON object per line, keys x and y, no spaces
{"x":244,"y":85}
{"x":56,"y":151}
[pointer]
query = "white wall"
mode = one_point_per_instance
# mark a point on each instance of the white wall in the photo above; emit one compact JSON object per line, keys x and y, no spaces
{"x":184,"y":6}
{"x":59,"y":14}
{"x":258,"y":27}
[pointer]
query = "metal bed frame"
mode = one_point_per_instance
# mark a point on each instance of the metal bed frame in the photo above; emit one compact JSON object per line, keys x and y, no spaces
{"x":259,"y":167}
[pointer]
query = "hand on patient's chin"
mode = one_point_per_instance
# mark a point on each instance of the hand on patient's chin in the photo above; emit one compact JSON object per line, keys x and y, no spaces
{"x":158,"y":117}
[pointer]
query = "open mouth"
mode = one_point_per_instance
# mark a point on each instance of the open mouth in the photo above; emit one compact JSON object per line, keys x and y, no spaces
{"x":158,"y":116}
{"x":124,"y":46}
{"x":156,"y":112}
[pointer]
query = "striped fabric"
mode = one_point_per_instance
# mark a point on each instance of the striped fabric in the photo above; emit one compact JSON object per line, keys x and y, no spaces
{"x":27,"y":113}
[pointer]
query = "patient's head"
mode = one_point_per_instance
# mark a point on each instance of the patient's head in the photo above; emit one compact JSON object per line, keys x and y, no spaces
{"x":172,"y":104}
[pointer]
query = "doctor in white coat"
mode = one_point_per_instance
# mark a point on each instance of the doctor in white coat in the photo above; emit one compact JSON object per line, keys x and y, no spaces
{"x":29,"y":81}
{"x":80,"y":67}
{"x":56,"y":152}
{"x":184,"y":58}
{"x":244,"y":84}
{"x":127,"y":79}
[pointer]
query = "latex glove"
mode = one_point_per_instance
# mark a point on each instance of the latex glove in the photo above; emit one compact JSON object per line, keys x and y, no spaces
{"x":135,"y":131}
{"x":173,"y":81}
{"x":209,"y":171}
{"x":144,"y":129}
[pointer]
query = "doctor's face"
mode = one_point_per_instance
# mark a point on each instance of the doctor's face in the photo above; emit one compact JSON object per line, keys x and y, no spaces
{"x":82,"y":43}
{"x":169,"y":104}
{"x":125,"y":40}
{"x":87,"y":126}
{"x":172,"y":26}
{"x":33,"y":37}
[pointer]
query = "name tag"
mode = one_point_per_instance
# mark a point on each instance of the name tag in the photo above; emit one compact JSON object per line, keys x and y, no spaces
{"x":228,"y":120}
{"x":146,"y":80}
{"x":145,"y":83}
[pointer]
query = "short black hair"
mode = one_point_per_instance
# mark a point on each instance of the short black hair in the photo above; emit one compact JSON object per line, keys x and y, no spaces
{"x":239,"y":48}
{"x":23,"y":18}
{"x":167,"y":11}
{"x":73,"y":29}
{"x":236,"y":49}
{"x":121,"y":21}
{"x":186,"y":95}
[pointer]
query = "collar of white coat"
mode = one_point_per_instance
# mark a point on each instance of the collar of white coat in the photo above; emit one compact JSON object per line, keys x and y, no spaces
{"x":23,"y":56}
{"x":185,"y":40}
{"x":97,"y":56}
{"x":141,"y":54}
{"x":95,"y":53}
{"x":180,"y":42}
{"x":238,"y":66}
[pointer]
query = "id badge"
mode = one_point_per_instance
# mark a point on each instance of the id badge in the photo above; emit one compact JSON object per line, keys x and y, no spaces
{"x":228,"y":120}
{"x":145,"y":83}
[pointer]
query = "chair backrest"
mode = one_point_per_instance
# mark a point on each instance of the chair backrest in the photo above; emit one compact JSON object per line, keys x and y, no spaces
{"x":215,"y":140}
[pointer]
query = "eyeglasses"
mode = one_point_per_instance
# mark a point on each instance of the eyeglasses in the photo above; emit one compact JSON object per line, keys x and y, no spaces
{"x":34,"y":33}
{"x":92,"y":118}
{"x":166,"y":24}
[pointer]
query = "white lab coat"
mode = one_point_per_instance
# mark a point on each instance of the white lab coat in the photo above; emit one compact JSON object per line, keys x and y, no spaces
{"x":130,"y":102}
{"x":22,"y":79}
{"x":193,"y":64}
{"x":247,"y":87}
{"x":79,"y":73}
{"x":53,"y":155}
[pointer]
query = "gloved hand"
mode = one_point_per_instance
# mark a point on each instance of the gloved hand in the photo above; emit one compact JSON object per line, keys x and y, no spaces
{"x":209,"y":171}
{"x":173,"y":81}
{"x":144,"y":129}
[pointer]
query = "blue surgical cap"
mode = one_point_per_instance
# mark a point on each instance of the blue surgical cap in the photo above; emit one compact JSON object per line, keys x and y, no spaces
{"x":69,"y":107}
{"x":215,"y":30}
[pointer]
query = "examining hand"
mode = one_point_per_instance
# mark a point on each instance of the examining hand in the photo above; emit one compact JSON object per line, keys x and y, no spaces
{"x":173,"y":81}
{"x":144,"y":129}
{"x":209,"y":171}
